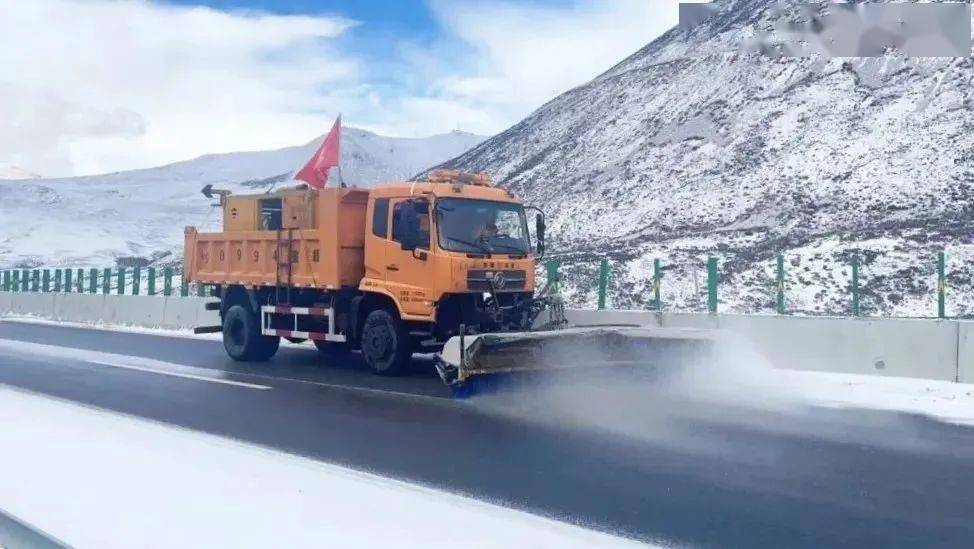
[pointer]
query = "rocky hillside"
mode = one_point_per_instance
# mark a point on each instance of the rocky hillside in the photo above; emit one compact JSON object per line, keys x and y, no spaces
{"x":698,"y":145}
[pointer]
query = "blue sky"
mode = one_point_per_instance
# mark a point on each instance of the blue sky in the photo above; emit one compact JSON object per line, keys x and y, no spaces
{"x":107,"y":85}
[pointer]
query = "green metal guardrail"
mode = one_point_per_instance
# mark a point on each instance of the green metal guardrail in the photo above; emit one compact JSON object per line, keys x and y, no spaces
{"x":121,"y":281}
{"x":780,"y":301}
{"x":94,"y":281}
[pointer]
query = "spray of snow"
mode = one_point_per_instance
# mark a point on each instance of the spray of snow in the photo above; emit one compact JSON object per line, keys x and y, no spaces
{"x":671,"y":402}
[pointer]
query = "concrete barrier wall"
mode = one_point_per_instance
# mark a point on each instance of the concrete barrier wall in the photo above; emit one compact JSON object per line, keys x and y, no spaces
{"x":922,"y":348}
{"x":584,"y":317}
{"x":79,"y":307}
{"x":145,"y":311}
{"x":139,"y":310}
{"x":895,"y":347}
{"x":184,"y":313}
{"x":30,"y":303}
{"x":965,"y":352}
{"x":579,"y":317}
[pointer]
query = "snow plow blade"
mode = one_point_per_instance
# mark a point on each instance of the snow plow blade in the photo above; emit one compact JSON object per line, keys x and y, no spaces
{"x":465,"y":358}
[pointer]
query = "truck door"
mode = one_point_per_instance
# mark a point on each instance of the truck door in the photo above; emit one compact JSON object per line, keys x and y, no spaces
{"x":409,"y":273}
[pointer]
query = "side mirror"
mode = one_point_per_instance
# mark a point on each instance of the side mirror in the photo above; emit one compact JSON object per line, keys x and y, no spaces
{"x":539,"y":227}
{"x":408,"y":226}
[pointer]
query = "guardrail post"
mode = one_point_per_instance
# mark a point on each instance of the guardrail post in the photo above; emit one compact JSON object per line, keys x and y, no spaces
{"x":14,"y":281}
{"x":136,"y":280}
{"x":106,"y":281}
{"x":46,"y":281}
{"x":120,"y":281}
{"x":25,"y":280}
{"x":657,"y":282}
{"x":6,"y":281}
{"x":603,"y":281}
{"x":551,"y":269}
{"x":81,"y":281}
{"x":57,"y":280}
{"x":67,"y":280}
{"x":184,"y":287}
{"x":167,"y":281}
{"x":35,"y":280}
{"x":780,"y":300}
{"x":151,"y":281}
{"x":712,"y":285}
{"x":855,"y":286}
{"x":941,"y":285}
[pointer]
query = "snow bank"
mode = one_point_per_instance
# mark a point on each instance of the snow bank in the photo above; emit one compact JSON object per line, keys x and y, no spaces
{"x":943,"y":400}
{"x":96,"y":479}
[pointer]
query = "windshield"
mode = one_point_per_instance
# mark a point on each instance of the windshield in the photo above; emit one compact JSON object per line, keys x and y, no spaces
{"x":481,"y":226}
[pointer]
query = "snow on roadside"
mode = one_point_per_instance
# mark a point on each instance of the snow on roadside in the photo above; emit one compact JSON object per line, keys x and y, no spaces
{"x":97,"y":479}
{"x":105,"y":327}
{"x":943,"y":400}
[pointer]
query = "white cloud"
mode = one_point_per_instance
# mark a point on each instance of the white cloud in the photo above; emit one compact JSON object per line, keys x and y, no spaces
{"x":97,"y":85}
{"x":89,"y":86}
{"x":522,"y":55}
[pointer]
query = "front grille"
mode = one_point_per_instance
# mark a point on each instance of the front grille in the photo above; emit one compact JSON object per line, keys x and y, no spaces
{"x":503,"y":281}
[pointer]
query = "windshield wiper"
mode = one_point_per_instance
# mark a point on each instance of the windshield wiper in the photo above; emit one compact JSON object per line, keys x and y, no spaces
{"x":484,"y":246}
{"x":509,"y":247}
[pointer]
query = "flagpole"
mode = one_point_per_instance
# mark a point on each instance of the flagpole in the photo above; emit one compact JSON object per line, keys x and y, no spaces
{"x":341,"y":180}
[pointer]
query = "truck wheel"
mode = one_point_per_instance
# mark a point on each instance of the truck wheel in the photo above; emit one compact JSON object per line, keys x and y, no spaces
{"x":242,"y":338}
{"x":385,"y":343}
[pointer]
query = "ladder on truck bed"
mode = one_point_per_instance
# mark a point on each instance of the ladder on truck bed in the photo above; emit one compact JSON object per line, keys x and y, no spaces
{"x":286,"y":263}
{"x":282,"y":309}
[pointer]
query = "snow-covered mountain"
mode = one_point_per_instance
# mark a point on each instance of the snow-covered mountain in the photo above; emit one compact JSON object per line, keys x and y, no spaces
{"x":10,"y":171}
{"x":694,"y":146}
{"x":90,"y":221}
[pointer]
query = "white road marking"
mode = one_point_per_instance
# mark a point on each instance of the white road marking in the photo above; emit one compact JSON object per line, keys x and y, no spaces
{"x":177,"y":374}
{"x":190,"y":372}
{"x":123,"y":361}
{"x":349,"y":387}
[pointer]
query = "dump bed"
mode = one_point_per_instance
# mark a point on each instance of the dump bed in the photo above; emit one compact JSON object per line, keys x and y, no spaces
{"x":324,"y":231}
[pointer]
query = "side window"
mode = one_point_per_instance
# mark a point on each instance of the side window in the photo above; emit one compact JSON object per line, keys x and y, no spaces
{"x":270,"y":214}
{"x":422,"y":214}
{"x":380,"y":218}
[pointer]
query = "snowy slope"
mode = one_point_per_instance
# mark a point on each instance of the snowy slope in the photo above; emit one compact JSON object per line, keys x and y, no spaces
{"x":89,"y":221}
{"x":693,"y":146}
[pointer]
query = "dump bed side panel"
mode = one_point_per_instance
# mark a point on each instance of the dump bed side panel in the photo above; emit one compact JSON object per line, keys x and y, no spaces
{"x":250,"y":257}
{"x":327,"y":256}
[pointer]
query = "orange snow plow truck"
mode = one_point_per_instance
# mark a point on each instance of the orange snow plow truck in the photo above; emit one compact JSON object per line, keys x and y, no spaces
{"x":444,"y":265}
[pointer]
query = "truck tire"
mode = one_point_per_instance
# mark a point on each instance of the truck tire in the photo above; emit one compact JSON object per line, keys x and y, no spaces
{"x":242,"y":338}
{"x":385,"y":343}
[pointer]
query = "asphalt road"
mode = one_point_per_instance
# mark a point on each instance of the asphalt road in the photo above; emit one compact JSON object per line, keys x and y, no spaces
{"x":819,"y":479}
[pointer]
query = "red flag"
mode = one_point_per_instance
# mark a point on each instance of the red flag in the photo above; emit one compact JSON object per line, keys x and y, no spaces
{"x":315,"y":172}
